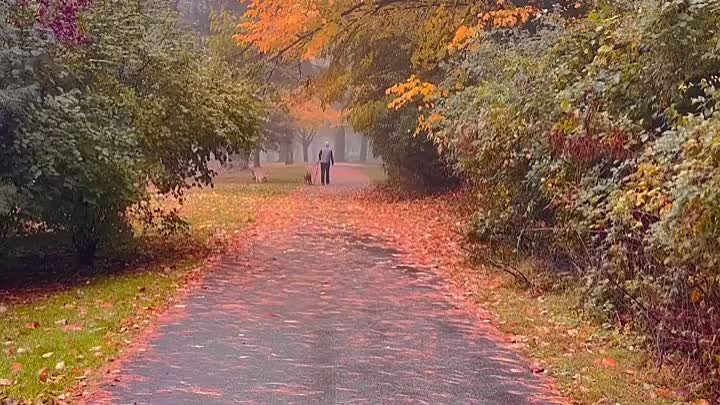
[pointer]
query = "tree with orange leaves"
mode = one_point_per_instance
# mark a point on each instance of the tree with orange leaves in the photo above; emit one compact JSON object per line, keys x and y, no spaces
{"x":309,"y":115}
{"x":368,"y":47}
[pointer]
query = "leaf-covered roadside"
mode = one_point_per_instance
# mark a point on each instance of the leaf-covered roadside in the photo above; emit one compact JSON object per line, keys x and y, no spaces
{"x":591,"y":362}
{"x":591,"y":142}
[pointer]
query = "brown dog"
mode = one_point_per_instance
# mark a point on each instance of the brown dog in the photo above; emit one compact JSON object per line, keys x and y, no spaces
{"x":308,"y":178}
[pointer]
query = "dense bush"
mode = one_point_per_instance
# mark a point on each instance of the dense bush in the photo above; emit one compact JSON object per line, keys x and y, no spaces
{"x":593,"y":141}
{"x":102,"y":101}
{"x":410,"y":162}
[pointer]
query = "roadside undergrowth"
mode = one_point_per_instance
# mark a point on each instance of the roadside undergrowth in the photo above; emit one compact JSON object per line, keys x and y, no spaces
{"x":592,"y":363}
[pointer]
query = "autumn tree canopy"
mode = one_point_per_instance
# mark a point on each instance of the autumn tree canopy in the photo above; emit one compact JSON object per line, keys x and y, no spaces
{"x":368,"y":47}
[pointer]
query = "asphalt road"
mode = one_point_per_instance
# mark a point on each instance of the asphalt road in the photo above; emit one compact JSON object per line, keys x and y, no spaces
{"x":315,"y":314}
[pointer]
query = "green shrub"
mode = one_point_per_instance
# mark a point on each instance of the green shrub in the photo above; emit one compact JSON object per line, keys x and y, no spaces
{"x":89,"y":125}
{"x":592,"y":142}
{"x":81,"y":168}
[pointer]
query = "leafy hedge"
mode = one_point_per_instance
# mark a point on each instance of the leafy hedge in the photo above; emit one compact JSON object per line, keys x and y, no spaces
{"x":595,"y":141}
{"x":101,"y":101}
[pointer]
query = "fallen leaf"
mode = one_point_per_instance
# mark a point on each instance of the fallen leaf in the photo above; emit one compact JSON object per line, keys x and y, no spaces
{"x":72,"y":327}
{"x":605,"y":362}
{"x":32,"y":325}
{"x":696,"y":295}
{"x":700,"y":402}
{"x":47,"y":355}
{"x":5,"y":382}
{"x":665,"y":393}
{"x":43,"y":374}
{"x":15,"y":368}
{"x":537,"y":369}
{"x":60,"y":366}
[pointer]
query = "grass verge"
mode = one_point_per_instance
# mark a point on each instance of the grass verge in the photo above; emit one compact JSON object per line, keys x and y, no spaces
{"x":53,"y":343}
{"x":376,"y":174}
{"x":593,"y":363}
{"x":54,"y":337}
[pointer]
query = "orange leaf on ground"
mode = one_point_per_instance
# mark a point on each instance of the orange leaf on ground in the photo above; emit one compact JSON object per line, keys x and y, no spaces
{"x":73,"y":327}
{"x":665,"y":393}
{"x":605,"y":362}
{"x":43,"y":375}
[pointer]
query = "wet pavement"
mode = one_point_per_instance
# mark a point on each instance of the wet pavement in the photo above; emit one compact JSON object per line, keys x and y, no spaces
{"x":315,"y":313}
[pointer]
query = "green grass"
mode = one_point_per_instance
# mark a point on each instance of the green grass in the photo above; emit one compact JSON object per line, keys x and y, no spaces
{"x":230,"y":205}
{"x":376,"y":174}
{"x":85,"y":323}
{"x":278,"y":174}
{"x":82,"y":327}
{"x":592,"y":364}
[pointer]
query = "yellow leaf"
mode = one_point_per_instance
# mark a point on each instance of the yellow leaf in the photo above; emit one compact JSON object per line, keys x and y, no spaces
{"x":565,"y":106}
{"x":462,"y":34}
{"x":696,"y":295}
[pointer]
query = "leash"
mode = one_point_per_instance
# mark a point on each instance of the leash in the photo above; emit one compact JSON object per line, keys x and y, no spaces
{"x":316,"y":166}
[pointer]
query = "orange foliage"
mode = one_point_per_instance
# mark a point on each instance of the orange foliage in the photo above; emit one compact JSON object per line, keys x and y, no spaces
{"x":413,"y":90}
{"x":507,"y":18}
{"x":461,"y":36}
{"x":276,"y":24}
{"x":428,"y":124}
{"x":309,"y":113}
{"x":504,"y":18}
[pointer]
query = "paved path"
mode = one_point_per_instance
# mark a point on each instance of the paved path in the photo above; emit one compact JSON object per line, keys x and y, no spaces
{"x":314,"y":313}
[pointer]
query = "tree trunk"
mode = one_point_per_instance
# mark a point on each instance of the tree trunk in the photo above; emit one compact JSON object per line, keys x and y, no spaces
{"x":244,"y":160}
{"x":339,"y":151}
{"x":256,"y":158}
{"x":289,"y":152}
{"x":305,"y":146}
{"x":363,"y":148}
{"x":282,"y":152}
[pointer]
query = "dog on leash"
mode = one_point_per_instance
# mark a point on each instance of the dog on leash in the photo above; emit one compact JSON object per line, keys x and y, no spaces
{"x":308,"y":178}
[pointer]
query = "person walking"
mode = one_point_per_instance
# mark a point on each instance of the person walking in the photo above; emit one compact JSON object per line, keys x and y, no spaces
{"x":326,"y":160}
